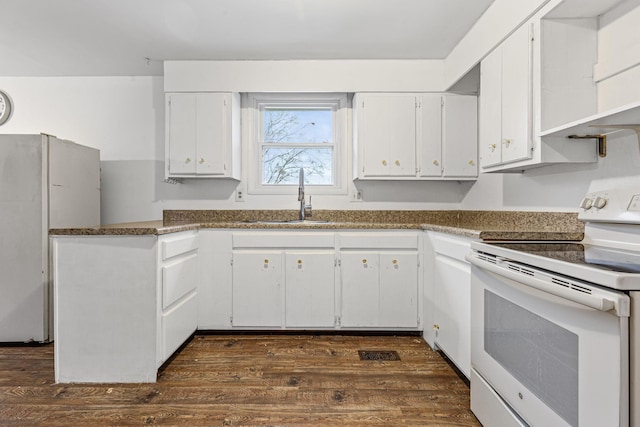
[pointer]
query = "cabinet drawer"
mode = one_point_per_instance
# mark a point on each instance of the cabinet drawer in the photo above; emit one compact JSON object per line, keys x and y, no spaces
{"x":178,"y":324}
{"x":374,"y":240}
{"x":173,"y":246}
{"x":451,"y":246}
{"x":283,"y":240}
{"x":178,"y":279}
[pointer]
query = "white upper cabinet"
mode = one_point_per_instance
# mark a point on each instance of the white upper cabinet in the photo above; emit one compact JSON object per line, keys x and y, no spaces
{"x":459,"y":136}
{"x":429,"y":135}
{"x":505,"y":101}
{"x":538,"y":87}
{"x":386,"y":129}
{"x":517,"y":109}
{"x":415,"y":136}
{"x":202,"y":135}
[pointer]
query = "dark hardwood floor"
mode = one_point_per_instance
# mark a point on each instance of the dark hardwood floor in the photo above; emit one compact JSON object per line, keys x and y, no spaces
{"x":233,"y":380}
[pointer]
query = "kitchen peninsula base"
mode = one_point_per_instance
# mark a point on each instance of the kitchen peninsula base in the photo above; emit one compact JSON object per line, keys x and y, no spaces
{"x":122,"y":304}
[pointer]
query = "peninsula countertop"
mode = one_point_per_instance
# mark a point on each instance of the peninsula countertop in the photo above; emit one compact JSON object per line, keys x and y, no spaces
{"x":482,"y":225}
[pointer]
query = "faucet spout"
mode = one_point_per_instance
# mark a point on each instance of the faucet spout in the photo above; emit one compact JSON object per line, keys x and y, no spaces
{"x":301,"y":185}
{"x":301,"y":197}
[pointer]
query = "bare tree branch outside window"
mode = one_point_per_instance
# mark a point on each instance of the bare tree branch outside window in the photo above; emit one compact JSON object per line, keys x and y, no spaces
{"x":289,"y":144}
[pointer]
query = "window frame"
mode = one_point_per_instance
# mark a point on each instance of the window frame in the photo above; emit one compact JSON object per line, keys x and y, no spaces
{"x":257,"y":102}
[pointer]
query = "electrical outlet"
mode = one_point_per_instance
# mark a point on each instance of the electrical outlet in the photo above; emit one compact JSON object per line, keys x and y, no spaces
{"x":357,"y":196}
{"x":240,"y":194}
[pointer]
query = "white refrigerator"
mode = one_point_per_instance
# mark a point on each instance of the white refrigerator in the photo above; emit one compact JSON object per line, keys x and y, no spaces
{"x":45,"y":182}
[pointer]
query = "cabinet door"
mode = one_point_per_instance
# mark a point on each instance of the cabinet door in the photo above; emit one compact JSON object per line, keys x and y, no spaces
{"x":387,"y":135}
{"x":360,"y":288}
{"x":212,"y":132}
{"x":199,"y":134}
{"x":215,"y":288}
{"x":452,"y":280}
{"x":310,"y":289}
{"x":398,"y":289}
{"x":177,"y":325}
{"x":257,"y":297}
{"x":460,"y":136}
{"x":490,"y":113}
{"x":181,"y":134}
{"x":516,"y":96}
{"x":430,"y":135}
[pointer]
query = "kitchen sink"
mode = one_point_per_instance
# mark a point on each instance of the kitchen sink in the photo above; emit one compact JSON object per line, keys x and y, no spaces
{"x":286,"y":221}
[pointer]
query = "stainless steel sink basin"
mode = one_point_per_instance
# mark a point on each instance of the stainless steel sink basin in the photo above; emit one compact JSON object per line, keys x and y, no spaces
{"x":287,"y":221}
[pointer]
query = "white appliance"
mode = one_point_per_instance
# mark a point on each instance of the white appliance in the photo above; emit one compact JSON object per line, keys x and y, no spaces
{"x":45,"y":183}
{"x":554,"y":326}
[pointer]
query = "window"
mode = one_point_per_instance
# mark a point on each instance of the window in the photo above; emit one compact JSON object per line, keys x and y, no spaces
{"x":293,"y":131}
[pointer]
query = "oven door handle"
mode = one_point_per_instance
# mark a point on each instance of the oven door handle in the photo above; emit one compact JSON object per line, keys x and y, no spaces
{"x":598,"y":302}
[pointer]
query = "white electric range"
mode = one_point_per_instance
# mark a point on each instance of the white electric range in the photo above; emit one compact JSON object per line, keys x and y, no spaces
{"x":553,"y":330}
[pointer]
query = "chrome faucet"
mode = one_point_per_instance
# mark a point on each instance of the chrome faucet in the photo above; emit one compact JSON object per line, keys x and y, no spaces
{"x":303,"y":205}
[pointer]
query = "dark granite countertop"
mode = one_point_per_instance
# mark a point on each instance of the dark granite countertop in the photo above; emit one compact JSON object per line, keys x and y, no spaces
{"x":141,"y":228}
{"x":482,"y":225}
{"x":498,"y":233}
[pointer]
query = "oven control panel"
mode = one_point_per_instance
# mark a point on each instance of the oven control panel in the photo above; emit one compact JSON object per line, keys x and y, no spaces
{"x":619,"y":205}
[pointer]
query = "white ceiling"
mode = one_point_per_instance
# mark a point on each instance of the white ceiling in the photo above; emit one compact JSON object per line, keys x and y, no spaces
{"x":114,"y":37}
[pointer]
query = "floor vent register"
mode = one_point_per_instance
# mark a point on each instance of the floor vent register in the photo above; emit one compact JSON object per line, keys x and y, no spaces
{"x":378,"y":355}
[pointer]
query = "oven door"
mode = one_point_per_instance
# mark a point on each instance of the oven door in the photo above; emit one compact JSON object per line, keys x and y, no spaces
{"x":554,"y":361}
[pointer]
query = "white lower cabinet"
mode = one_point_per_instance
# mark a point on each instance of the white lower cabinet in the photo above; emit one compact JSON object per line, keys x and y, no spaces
{"x":257,"y":288}
{"x":293,"y":288}
{"x":450,"y":284}
{"x":309,"y":289}
{"x":122,"y":304}
{"x":177,"y":324}
{"x":379,"y":280}
{"x":177,"y":285}
{"x":283,"y":279}
{"x":214,"y":279}
{"x":379,"y":289}
{"x":399,"y":289}
{"x":309,"y":280}
{"x":360,"y":289}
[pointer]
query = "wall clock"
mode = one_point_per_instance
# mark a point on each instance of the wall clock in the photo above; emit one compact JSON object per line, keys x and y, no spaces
{"x":5,"y":107}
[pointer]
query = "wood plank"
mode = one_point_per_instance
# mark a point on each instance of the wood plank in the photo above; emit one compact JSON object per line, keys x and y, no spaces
{"x":249,"y":380}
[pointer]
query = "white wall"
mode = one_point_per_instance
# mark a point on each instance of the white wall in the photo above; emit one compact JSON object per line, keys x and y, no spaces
{"x":305,"y":76}
{"x":121,"y":116}
{"x":495,"y":25}
{"x":124,"y":118}
{"x":558,"y":187}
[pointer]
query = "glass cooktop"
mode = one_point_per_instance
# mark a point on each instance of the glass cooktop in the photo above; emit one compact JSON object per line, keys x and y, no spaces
{"x":600,"y":257}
